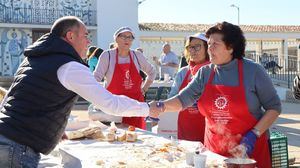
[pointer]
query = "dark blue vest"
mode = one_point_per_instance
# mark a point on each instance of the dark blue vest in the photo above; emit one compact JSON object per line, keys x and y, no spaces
{"x":38,"y":105}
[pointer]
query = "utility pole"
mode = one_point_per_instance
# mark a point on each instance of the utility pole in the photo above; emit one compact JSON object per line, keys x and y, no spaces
{"x":238,"y":9}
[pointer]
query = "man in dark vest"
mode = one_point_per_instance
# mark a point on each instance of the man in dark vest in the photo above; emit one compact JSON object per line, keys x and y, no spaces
{"x":35,"y":110}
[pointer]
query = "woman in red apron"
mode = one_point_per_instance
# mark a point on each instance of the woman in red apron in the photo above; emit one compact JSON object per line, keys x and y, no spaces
{"x":228,"y":103}
{"x":121,"y":68}
{"x":191,"y":124}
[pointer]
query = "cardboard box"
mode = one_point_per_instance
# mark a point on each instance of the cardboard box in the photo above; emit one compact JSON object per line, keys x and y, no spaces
{"x":167,"y":125}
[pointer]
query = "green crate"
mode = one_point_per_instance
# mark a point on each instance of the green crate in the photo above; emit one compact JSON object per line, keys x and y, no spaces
{"x":151,"y":94}
{"x":279,"y":150}
{"x":163,"y":92}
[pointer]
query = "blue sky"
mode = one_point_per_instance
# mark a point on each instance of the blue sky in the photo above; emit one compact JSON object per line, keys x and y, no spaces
{"x":258,"y":12}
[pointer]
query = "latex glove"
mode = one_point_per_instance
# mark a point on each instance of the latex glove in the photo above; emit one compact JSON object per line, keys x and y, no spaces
{"x":249,"y":142}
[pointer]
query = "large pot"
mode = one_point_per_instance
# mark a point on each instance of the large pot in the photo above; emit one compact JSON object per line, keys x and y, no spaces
{"x":240,"y":163}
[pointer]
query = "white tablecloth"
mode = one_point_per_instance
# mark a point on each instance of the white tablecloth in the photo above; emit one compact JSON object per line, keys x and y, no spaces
{"x":86,"y":153}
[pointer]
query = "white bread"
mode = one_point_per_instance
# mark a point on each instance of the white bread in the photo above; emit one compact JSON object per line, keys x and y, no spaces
{"x":93,"y":133}
{"x":110,"y":137}
{"x":74,"y":134}
{"x":90,"y":132}
{"x":122,"y":136}
{"x":131,"y":136}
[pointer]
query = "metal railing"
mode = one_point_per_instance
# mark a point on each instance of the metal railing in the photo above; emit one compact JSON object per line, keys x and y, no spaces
{"x":43,"y":16}
{"x":283,"y":71}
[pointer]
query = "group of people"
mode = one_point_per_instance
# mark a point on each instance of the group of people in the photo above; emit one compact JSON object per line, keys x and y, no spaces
{"x":224,"y":99}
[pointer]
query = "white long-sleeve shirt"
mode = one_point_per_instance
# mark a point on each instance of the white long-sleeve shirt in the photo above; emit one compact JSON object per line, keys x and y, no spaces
{"x":78,"y":78}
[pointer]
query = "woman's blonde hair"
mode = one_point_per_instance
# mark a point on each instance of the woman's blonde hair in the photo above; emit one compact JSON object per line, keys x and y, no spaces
{"x":187,"y":53}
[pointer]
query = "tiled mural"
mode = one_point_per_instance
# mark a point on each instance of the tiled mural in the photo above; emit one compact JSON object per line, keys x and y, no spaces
{"x":13,"y":43}
{"x":45,"y":11}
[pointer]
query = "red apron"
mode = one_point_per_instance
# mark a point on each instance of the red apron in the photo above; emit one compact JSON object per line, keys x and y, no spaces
{"x":127,"y":81}
{"x":191,"y":124}
{"x":228,"y":119}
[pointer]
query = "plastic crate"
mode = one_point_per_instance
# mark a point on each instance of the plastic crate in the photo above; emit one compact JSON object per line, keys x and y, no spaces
{"x":163,"y":92}
{"x":279,"y":150}
{"x":151,"y":94}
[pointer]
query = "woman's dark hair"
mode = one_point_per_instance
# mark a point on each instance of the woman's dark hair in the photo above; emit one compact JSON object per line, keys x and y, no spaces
{"x":233,"y":37}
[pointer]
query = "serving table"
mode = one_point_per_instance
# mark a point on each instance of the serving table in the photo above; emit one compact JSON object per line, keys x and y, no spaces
{"x":150,"y":150}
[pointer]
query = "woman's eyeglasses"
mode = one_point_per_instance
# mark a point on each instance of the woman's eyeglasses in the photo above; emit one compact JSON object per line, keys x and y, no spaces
{"x":195,"y":47}
{"x":124,"y":37}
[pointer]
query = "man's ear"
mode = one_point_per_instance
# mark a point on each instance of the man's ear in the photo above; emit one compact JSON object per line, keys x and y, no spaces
{"x":69,"y":36}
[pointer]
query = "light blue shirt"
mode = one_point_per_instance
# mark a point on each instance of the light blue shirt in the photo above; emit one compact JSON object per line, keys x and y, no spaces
{"x":92,"y":62}
{"x":170,"y":57}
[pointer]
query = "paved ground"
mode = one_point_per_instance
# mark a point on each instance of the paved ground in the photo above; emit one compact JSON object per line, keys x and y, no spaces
{"x":288,"y":123}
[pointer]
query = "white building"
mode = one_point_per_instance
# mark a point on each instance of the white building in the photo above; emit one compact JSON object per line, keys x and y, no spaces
{"x":24,"y":21}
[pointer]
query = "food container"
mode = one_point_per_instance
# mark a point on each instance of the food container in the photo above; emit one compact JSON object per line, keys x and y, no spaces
{"x":240,"y":163}
{"x":199,"y":160}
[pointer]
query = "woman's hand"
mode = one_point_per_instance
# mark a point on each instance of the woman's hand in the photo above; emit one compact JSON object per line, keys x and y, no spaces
{"x":156,"y":108}
{"x":246,"y":146}
{"x":249,"y":141}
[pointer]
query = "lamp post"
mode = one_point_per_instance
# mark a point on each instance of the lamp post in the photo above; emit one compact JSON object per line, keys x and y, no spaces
{"x":140,"y":2}
{"x":238,"y":9}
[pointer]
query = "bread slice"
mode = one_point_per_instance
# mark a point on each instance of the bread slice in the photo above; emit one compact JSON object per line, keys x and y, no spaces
{"x":74,"y":134}
{"x":93,"y":133}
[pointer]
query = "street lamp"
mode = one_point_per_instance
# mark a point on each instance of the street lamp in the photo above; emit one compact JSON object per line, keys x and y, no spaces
{"x":140,"y":2}
{"x":238,"y":9}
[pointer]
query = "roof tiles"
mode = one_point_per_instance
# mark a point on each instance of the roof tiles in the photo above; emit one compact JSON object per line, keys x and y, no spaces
{"x":204,"y":27}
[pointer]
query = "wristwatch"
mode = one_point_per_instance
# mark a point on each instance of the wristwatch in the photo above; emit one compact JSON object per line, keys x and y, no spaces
{"x":256,"y":132}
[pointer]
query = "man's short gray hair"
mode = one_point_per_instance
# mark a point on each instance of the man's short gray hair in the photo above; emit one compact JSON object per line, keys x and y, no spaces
{"x":64,"y":24}
{"x":166,"y":44}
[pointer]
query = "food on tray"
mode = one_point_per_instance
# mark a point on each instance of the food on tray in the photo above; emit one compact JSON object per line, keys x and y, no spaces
{"x":100,"y":162}
{"x":110,"y":136}
{"x":131,"y":128}
{"x":122,"y":163}
{"x":131,"y":136}
{"x":121,"y":137}
{"x":113,"y":128}
{"x":89,"y":132}
{"x":93,"y":133}
{"x":74,"y":134}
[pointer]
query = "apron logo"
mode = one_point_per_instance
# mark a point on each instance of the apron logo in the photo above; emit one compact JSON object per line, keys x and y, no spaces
{"x":127,"y":81}
{"x":127,"y":74}
{"x":221,"y":102}
{"x":220,"y":109}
